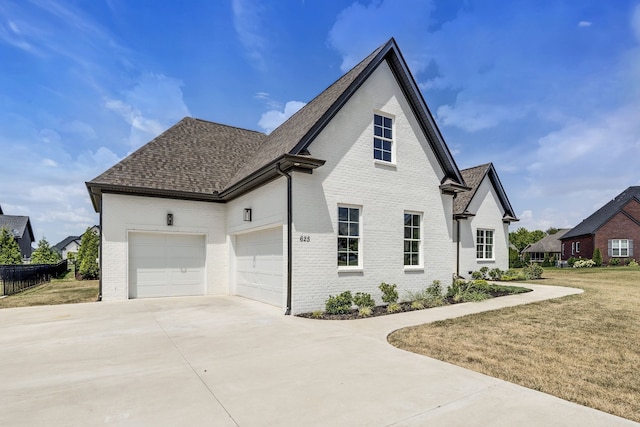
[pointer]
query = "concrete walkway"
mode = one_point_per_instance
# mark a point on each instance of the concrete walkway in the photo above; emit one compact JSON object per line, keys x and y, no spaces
{"x":227,"y":361}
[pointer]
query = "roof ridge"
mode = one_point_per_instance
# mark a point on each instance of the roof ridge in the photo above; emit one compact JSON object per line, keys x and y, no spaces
{"x":223,"y":124}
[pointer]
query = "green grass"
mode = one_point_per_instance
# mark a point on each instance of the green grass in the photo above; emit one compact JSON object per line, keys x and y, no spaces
{"x":583,"y":348}
{"x":67,"y":290}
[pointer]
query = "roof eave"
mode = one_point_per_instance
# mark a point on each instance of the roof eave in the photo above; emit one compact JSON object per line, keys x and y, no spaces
{"x":268,"y":172}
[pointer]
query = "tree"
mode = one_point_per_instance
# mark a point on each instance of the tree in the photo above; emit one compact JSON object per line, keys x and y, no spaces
{"x":9,"y":250}
{"x":552,"y":230}
{"x":87,"y":257}
{"x":597,"y":257}
{"x":523,"y":237}
{"x":45,"y":254}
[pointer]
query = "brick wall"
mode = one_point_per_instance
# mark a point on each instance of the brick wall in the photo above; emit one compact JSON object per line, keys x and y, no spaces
{"x":620,"y":227}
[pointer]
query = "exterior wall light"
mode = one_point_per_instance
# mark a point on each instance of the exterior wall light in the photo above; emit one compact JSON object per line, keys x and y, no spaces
{"x":169,"y":219}
{"x":247,"y":215}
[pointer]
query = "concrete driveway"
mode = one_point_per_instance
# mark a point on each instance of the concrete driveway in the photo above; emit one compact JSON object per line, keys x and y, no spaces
{"x":228,"y":361}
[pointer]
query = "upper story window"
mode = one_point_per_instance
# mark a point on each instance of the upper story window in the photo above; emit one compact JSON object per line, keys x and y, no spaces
{"x":412,"y":239}
{"x":383,"y":138}
{"x":484,"y":244}
{"x":348,"y":237}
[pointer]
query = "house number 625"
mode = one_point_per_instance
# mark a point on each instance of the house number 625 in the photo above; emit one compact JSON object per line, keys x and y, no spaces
{"x":305,"y":239}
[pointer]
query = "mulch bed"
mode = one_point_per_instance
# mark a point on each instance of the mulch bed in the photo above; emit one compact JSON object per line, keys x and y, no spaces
{"x":381,"y":310}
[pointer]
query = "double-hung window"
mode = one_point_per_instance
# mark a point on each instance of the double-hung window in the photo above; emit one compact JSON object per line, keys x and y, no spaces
{"x":383,"y":138}
{"x":412,"y":239}
{"x":349,"y":237}
{"x":619,"y":248}
{"x":484,"y":244}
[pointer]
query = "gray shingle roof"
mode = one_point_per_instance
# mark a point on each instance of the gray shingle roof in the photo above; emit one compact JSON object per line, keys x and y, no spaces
{"x":550,"y":243}
{"x":596,"y":220}
{"x":196,"y":158}
{"x":473,"y":177}
{"x":193,"y":156}
{"x":62,"y":244}
{"x":15,"y":224}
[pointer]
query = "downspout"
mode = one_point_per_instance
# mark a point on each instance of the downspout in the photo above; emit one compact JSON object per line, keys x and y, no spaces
{"x":99,"y":256}
{"x":289,"y":235}
{"x":458,"y":247}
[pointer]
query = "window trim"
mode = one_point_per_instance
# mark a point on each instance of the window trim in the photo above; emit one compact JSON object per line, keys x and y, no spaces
{"x":577,"y":247}
{"x":484,"y":244}
{"x":420,"y":264}
{"x":619,"y":248}
{"x":392,"y":140}
{"x":360,"y":264}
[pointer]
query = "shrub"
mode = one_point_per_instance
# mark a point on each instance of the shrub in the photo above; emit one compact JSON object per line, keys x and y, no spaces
{"x":318,"y":314}
{"x":626,"y":261}
{"x":365,"y":311}
{"x":484,"y":271}
{"x":633,"y":263}
{"x":362,"y":299}
{"x":393,"y":307}
{"x":532,"y":271}
{"x":88,"y":255}
{"x":496,"y":274}
{"x":597,"y":257}
{"x":389,"y":293}
{"x":614,"y":261}
{"x":476,"y":275}
{"x":571,"y":261}
{"x":339,"y":304}
{"x":584,"y":263}
{"x":435,"y":288}
{"x":417,"y":305}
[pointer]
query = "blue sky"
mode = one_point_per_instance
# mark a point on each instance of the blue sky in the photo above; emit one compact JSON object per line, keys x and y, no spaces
{"x":547,"y":90}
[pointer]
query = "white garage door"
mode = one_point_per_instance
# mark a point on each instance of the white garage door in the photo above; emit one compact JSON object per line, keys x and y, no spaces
{"x":259,"y":265}
{"x":163,"y":265}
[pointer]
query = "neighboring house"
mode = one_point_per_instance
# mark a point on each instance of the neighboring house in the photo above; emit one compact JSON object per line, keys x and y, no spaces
{"x":20,"y":226}
{"x":71,"y":244}
{"x":549,"y":246}
{"x":613,"y":229}
{"x":482,"y":217}
{"x":355,"y":189}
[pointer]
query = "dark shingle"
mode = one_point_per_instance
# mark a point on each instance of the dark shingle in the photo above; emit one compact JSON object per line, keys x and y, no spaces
{"x":473,"y":177}
{"x":193,"y":156}
{"x":60,"y":245}
{"x":15,"y":224}
{"x":550,"y":243}
{"x":602,"y":215}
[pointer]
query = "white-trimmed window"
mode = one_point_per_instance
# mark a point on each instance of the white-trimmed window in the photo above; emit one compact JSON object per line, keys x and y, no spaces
{"x":412,"y":239}
{"x":484,"y":244}
{"x":383,"y":138}
{"x":620,"y":248}
{"x":349,"y":236}
{"x":573,"y":248}
{"x":577,"y":247}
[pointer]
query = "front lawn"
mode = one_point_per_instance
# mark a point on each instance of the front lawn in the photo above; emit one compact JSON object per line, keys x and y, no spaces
{"x":583,"y":348}
{"x":59,"y":291}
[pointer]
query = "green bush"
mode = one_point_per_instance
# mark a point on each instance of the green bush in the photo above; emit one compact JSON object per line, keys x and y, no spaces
{"x":389,"y":293}
{"x":571,"y":261}
{"x":546,"y":262}
{"x":496,"y":274}
{"x":394,"y":307}
{"x":476,"y":275}
{"x":597,"y":257}
{"x":584,"y":263}
{"x":339,"y":304}
{"x":362,"y":299}
{"x":633,"y":263}
{"x":434,"y":289}
{"x":365,"y":311}
{"x":318,"y":314}
{"x":532,"y":271}
{"x":614,"y":261}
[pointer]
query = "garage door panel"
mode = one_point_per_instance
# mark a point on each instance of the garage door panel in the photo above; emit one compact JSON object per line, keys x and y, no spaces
{"x":259,"y":266}
{"x":166,"y":265}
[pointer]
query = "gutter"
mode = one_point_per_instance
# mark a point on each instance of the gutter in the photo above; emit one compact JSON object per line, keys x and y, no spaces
{"x":289,"y":235}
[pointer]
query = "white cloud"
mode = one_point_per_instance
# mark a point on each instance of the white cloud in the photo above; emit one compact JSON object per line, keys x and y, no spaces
{"x":274,"y":118}
{"x":583,"y":24}
{"x":247,"y":21}
{"x":49,"y":163}
{"x":472,"y":117}
{"x":151,"y":106}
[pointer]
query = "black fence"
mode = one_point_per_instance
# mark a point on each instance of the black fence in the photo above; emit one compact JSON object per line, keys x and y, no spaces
{"x":17,"y":278}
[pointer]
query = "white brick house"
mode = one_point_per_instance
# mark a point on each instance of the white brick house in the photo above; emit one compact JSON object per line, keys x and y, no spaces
{"x":355,"y":189}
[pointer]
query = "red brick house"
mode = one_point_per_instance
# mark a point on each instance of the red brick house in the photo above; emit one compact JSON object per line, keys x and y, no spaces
{"x":613,"y":228}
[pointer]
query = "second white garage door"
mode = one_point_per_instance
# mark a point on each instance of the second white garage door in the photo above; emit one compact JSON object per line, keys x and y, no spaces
{"x":259,"y":266}
{"x":165,"y":264}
